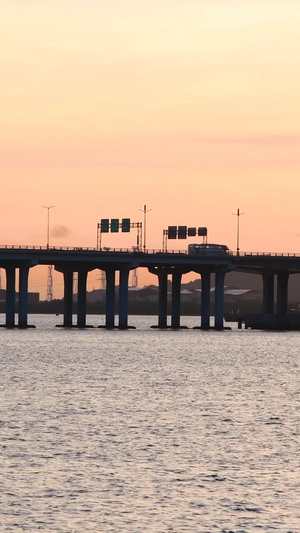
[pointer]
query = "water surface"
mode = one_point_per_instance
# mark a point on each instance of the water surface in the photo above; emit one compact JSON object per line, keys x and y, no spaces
{"x":148,"y":431}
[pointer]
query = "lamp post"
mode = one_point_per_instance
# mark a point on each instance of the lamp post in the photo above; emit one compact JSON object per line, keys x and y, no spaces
{"x":238,"y":214}
{"x":48,"y":207}
{"x":145,"y":211}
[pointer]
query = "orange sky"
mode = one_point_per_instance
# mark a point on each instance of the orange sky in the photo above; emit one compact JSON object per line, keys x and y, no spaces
{"x":189,"y":107}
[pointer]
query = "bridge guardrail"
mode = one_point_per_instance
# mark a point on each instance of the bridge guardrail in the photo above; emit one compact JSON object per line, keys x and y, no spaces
{"x":267,"y":254}
{"x":134,"y":250}
{"x":88,"y":249}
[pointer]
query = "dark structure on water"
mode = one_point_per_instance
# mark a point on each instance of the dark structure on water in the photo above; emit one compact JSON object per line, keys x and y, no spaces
{"x":273,"y":268}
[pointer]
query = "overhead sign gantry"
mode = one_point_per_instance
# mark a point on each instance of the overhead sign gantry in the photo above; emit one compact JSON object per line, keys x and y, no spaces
{"x":182,"y":232}
{"x":114,"y":225}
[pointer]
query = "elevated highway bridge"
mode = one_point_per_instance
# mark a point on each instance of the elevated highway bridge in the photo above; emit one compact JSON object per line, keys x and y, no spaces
{"x":274,"y":268}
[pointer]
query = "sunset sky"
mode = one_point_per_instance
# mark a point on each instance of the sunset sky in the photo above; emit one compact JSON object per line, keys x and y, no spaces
{"x":191,"y":107}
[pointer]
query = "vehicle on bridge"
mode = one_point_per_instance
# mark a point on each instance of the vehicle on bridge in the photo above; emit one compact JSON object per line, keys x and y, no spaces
{"x":208,"y":249}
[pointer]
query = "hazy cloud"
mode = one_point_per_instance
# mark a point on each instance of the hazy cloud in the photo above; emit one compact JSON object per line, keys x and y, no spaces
{"x":60,"y":231}
{"x":259,"y":138}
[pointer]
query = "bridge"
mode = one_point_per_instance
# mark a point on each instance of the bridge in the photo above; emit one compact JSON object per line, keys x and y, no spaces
{"x":272,"y":267}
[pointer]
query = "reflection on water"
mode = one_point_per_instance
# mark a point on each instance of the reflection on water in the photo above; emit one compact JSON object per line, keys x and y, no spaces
{"x":149,"y":431}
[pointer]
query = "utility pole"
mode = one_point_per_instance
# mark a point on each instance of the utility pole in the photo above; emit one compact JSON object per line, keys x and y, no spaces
{"x":238,"y":214}
{"x":145,"y":211}
{"x":48,"y":223}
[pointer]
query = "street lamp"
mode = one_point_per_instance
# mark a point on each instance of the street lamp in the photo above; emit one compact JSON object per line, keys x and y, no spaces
{"x":48,"y":224}
{"x":145,"y":211}
{"x":238,"y":214}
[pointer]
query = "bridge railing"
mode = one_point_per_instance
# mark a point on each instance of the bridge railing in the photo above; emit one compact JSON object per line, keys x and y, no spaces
{"x":266,"y":254}
{"x":88,"y":249}
{"x":135,"y":250}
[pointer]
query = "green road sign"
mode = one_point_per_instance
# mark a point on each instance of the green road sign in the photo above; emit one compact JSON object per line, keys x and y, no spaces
{"x":202,"y":232}
{"x":182,"y":231}
{"x":172,"y":232}
{"x":126,"y":225}
{"x":104,"y":225}
{"x":114,"y":225}
{"x":192,"y":232}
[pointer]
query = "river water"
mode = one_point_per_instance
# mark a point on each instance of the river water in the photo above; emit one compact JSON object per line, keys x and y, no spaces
{"x":149,"y":431}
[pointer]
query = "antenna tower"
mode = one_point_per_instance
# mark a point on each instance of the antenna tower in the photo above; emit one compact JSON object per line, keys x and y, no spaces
{"x":50,"y":284}
{"x":102,"y":280}
{"x":134,"y":278}
{"x":75,"y":282}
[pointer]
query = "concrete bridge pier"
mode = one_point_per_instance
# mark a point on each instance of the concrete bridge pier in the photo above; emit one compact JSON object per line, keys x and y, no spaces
{"x":123,"y":298}
{"x":68,"y":297}
{"x":110,"y":273}
{"x":110,"y":298}
{"x":10,"y":296}
{"x":10,"y":312}
{"x":68,"y":275}
{"x":282,"y":293}
{"x":23,"y":296}
{"x":219,"y":299}
{"x":81,"y":298}
{"x":205,"y":300}
{"x":175,"y":308}
{"x":162,"y":275}
{"x":270,"y":317}
{"x":162,"y":298}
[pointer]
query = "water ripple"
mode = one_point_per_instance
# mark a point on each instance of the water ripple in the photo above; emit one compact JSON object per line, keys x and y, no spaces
{"x":145,"y":431}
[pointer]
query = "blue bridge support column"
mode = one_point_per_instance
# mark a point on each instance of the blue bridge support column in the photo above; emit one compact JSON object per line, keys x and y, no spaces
{"x":110,"y":298}
{"x":175,"y":310}
{"x":68,"y":298}
{"x":268,"y":293}
{"x":219,"y":299}
{"x":81,"y":299}
{"x":23,"y":296}
{"x":10,"y":296}
{"x":205,"y":300}
{"x":162,"y":274}
{"x":123,"y":298}
{"x":162,"y":298}
{"x":282,"y":293}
